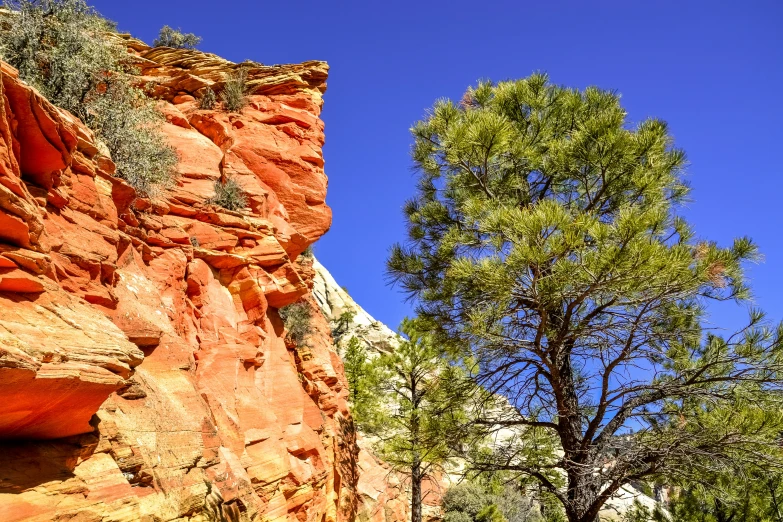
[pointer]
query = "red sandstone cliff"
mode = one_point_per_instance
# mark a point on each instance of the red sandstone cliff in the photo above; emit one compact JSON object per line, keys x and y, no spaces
{"x":143,"y":369}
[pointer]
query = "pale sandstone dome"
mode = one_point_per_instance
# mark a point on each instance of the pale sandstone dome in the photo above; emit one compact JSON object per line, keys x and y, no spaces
{"x":333,"y":301}
{"x":143,"y":378}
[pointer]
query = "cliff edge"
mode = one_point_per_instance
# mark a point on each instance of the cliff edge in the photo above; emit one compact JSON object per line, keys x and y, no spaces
{"x":144,"y":372}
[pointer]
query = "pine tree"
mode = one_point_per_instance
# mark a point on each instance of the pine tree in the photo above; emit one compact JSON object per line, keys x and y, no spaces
{"x":545,"y":244}
{"x":418,"y":409}
{"x":359,"y":372}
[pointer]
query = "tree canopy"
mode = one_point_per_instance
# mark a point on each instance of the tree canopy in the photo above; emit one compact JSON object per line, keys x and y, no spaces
{"x":419,"y":406}
{"x":545,"y":244}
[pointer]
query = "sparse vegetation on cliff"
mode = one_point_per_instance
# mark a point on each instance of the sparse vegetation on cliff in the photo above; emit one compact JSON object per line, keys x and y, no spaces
{"x":297,"y":318}
{"x":176,"y":39}
{"x":61,"y":47}
{"x":234,"y":93}
{"x":124,"y":119}
{"x":229,"y":195}
{"x":342,"y":324}
{"x":207,"y":100}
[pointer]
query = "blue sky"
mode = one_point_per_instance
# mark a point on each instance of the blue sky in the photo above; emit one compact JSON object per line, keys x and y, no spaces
{"x":712,"y":69}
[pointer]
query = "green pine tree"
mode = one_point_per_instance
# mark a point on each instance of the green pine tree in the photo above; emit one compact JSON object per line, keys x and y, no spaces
{"x":360,"y":374}
{"x":545,"y":244}
{"x":419,"y":408}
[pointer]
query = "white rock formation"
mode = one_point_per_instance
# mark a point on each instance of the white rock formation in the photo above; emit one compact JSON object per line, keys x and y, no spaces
{"x":334,"y":302}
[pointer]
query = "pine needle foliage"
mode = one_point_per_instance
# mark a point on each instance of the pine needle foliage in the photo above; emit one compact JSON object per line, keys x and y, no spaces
{"x":63,"y":49}
{"x":342,"y":325}
{"x":176,"y":39}
{"x":420,"y":404}
{"x":229,"y":195}
{"x":234,"y":93}
{"x":362,"y":382}
{"x":749,"y":490}
{"x":545,"y":244}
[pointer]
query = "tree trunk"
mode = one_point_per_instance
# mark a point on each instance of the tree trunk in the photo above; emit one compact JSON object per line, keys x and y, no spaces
{"x":575,"y":517}
{"x":416,"y":490}
{"x":416,"y":474}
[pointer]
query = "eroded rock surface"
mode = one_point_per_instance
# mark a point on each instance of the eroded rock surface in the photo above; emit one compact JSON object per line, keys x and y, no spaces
{"x":144,"y":372}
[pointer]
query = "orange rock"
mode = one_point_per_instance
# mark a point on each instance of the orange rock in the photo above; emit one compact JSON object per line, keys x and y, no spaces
{"x":147,"y":331}
{"x":13,"y":280}
{"x":210,"y":237}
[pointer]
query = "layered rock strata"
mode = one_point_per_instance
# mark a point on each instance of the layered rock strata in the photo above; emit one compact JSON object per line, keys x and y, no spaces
{"x":144,"y":372}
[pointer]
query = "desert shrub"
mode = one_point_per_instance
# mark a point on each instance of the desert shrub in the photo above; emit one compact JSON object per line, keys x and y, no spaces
{"x":296,"y":318}
{"x":234,"y":93}
{"x":463,"y":503}
{"x":208,"y":100}
{"x":308,"y":252}
{"x":229,"y":195}
{"x":175,"y":38}
{"x":59,"y":48}
{"x":127,"y":122}
{"x":62,"y":48}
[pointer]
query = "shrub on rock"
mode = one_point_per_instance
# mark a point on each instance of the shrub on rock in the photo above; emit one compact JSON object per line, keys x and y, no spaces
{"x":297,"y":317}
{"x":229,"y":195}
{"x":62,"y":48}
{"x":176,"y":39}
{"x":234,"y":94}
{"x":207,"y":100}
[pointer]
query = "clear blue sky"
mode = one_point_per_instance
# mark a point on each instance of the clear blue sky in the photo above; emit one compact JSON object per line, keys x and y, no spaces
{"x":712,"y":69}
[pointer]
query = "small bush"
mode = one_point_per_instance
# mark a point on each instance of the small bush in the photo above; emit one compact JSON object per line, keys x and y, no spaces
{"x":296,"y":318}
{"x":169,"y":37}
{"x":229,"y":195}
{"x":208,"y":100}
{"x":128,"y":123}
{"x":61,"y":48}
{"x":308,"y":252}
{"x":234,"y":93}
{"x":475,"y":502}
{"x":58,"y":47}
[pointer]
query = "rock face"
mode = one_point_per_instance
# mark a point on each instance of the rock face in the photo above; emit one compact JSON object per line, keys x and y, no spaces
{"x":144,"y":372}
{"x":334,"y":301}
